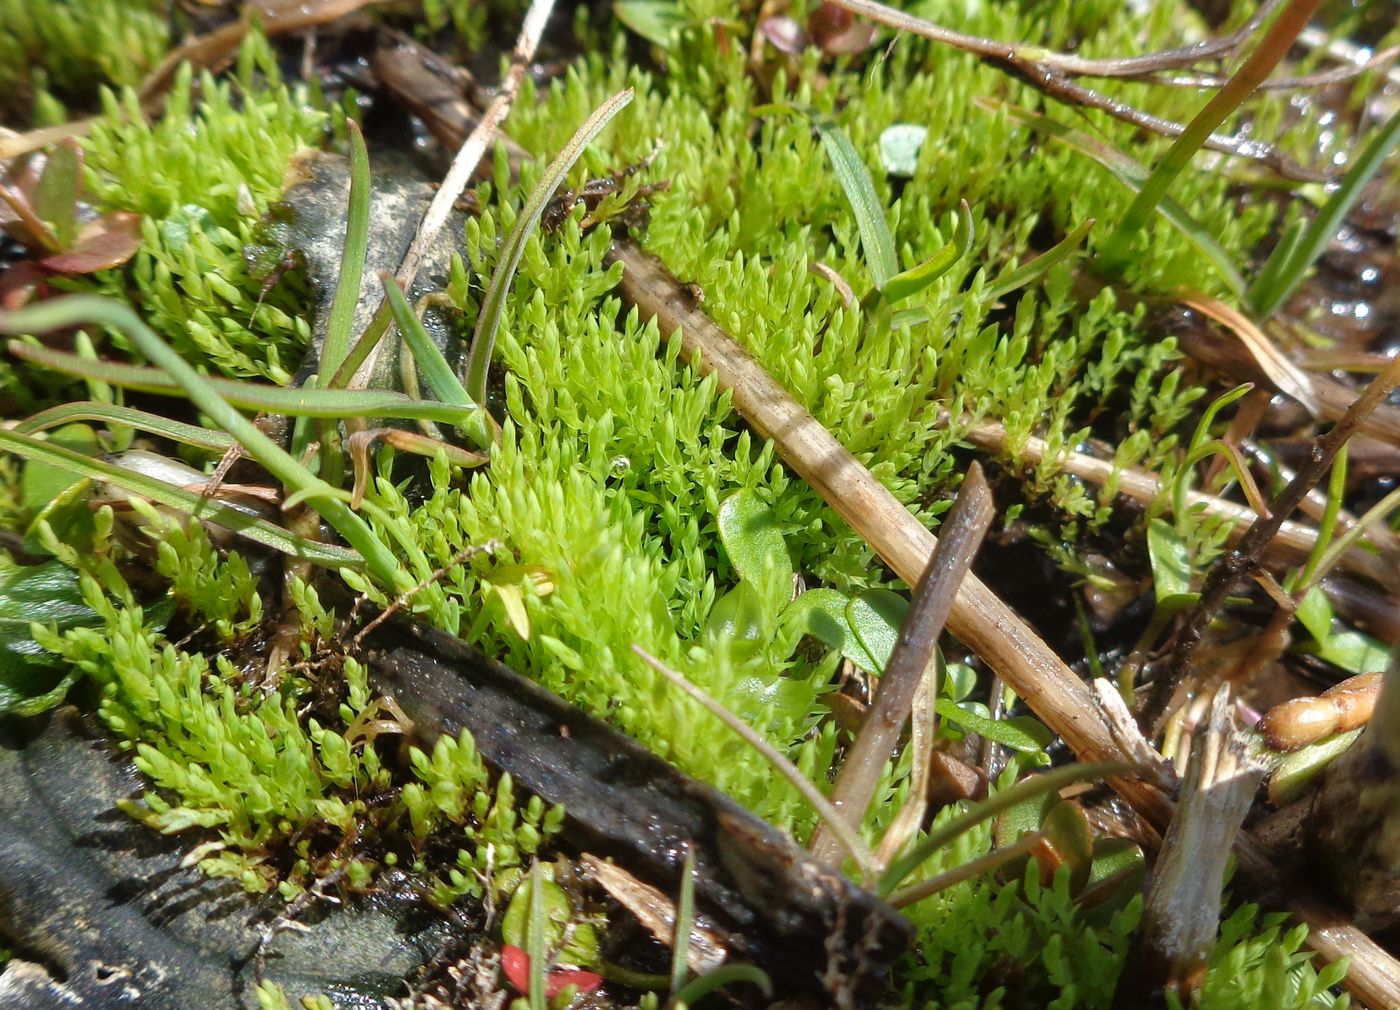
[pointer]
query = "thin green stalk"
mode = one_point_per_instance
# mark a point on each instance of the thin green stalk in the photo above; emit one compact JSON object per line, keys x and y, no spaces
{"x":1241,"y":85}
{"x":293,"y":401}
{"x":1026,"y":789}
{"x":993,"y":860}
{"x":81,"y":309}
{"x":1327,"y":526}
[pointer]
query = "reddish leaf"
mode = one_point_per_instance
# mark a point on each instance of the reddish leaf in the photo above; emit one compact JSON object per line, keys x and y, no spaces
{"x":22,"y":222}
{"x":108,"y":242}
{"x":515,"y":964}
{"x":21,"y":284}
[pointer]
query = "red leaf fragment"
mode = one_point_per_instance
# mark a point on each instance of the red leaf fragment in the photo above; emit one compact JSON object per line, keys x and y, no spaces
{"x":108,"y":242}
{"x":515,"y":965}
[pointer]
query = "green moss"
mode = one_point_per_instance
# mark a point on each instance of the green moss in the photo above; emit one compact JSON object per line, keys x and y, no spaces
{"x":224,"y":751}
{"x":71,"y":47}
{"x":203,"y":175}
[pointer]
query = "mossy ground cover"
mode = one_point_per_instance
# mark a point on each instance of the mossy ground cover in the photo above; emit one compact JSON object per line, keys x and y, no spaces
{"x":604,"y":494}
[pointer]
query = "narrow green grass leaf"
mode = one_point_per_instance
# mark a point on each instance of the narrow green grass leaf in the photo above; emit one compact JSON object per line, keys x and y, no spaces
{"x":725,"y":974}
{"x":129,"y":417}
{"x":1029,"y":273}
{"x":80,"y":309}
{"x":685,"y":918}
{"x":1132,"y":175}
{"x":1036,"y":785}
{"x":875,"y":238}
{"x":294,"y":402}
{"x":536,"y":944}
{"x":914,"y":280}
{"x":249,"y":526}
{"x":493,"y":303}
{"x":352,"y":261}
{"x":1262,"y":59}
{"x":434,"y":367}
{"x":1276,"y":285}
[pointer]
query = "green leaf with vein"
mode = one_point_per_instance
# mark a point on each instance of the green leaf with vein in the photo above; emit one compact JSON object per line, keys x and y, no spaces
{"x":875,"y":238}
{"x":493,"y":303}
{"x":252,"y":527}
{"x":293,"y":402}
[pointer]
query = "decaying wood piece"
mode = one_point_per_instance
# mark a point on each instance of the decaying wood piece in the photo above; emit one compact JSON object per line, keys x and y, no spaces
{"x":1172,"y":946}
{"x":766,"y":896}
{"x":979,"y":618}
{"x":1354,"y":826}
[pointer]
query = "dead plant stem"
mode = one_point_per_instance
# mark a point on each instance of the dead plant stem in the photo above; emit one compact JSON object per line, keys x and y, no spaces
{"x":912,"y":660}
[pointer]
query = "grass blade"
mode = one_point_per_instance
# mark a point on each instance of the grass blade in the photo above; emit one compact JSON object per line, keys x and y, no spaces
{"x":854,"y":177}
{"x":855,"y":848}
{"x":1014,"y":280}
{"x":726,"y":974}
{"x":914,"y":280}
{"x":1276,"y":284}
{"x":129,"y":417}
{"x":294,"y":402}
{"x":535,"y":938}
{"x":436,"y":371}
{"x":1132,"y":175}
{"x":352,"y":261}
{"x":79,"y":309}
{"x":1271,"y":49}
{"x":248,"y":526}
{"x":493,"y":304}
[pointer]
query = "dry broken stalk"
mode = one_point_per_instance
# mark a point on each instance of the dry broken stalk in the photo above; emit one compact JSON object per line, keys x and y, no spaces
{"x":979,"y":618}
{"x":913,"y":660}
{"x":1181,"y":917}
